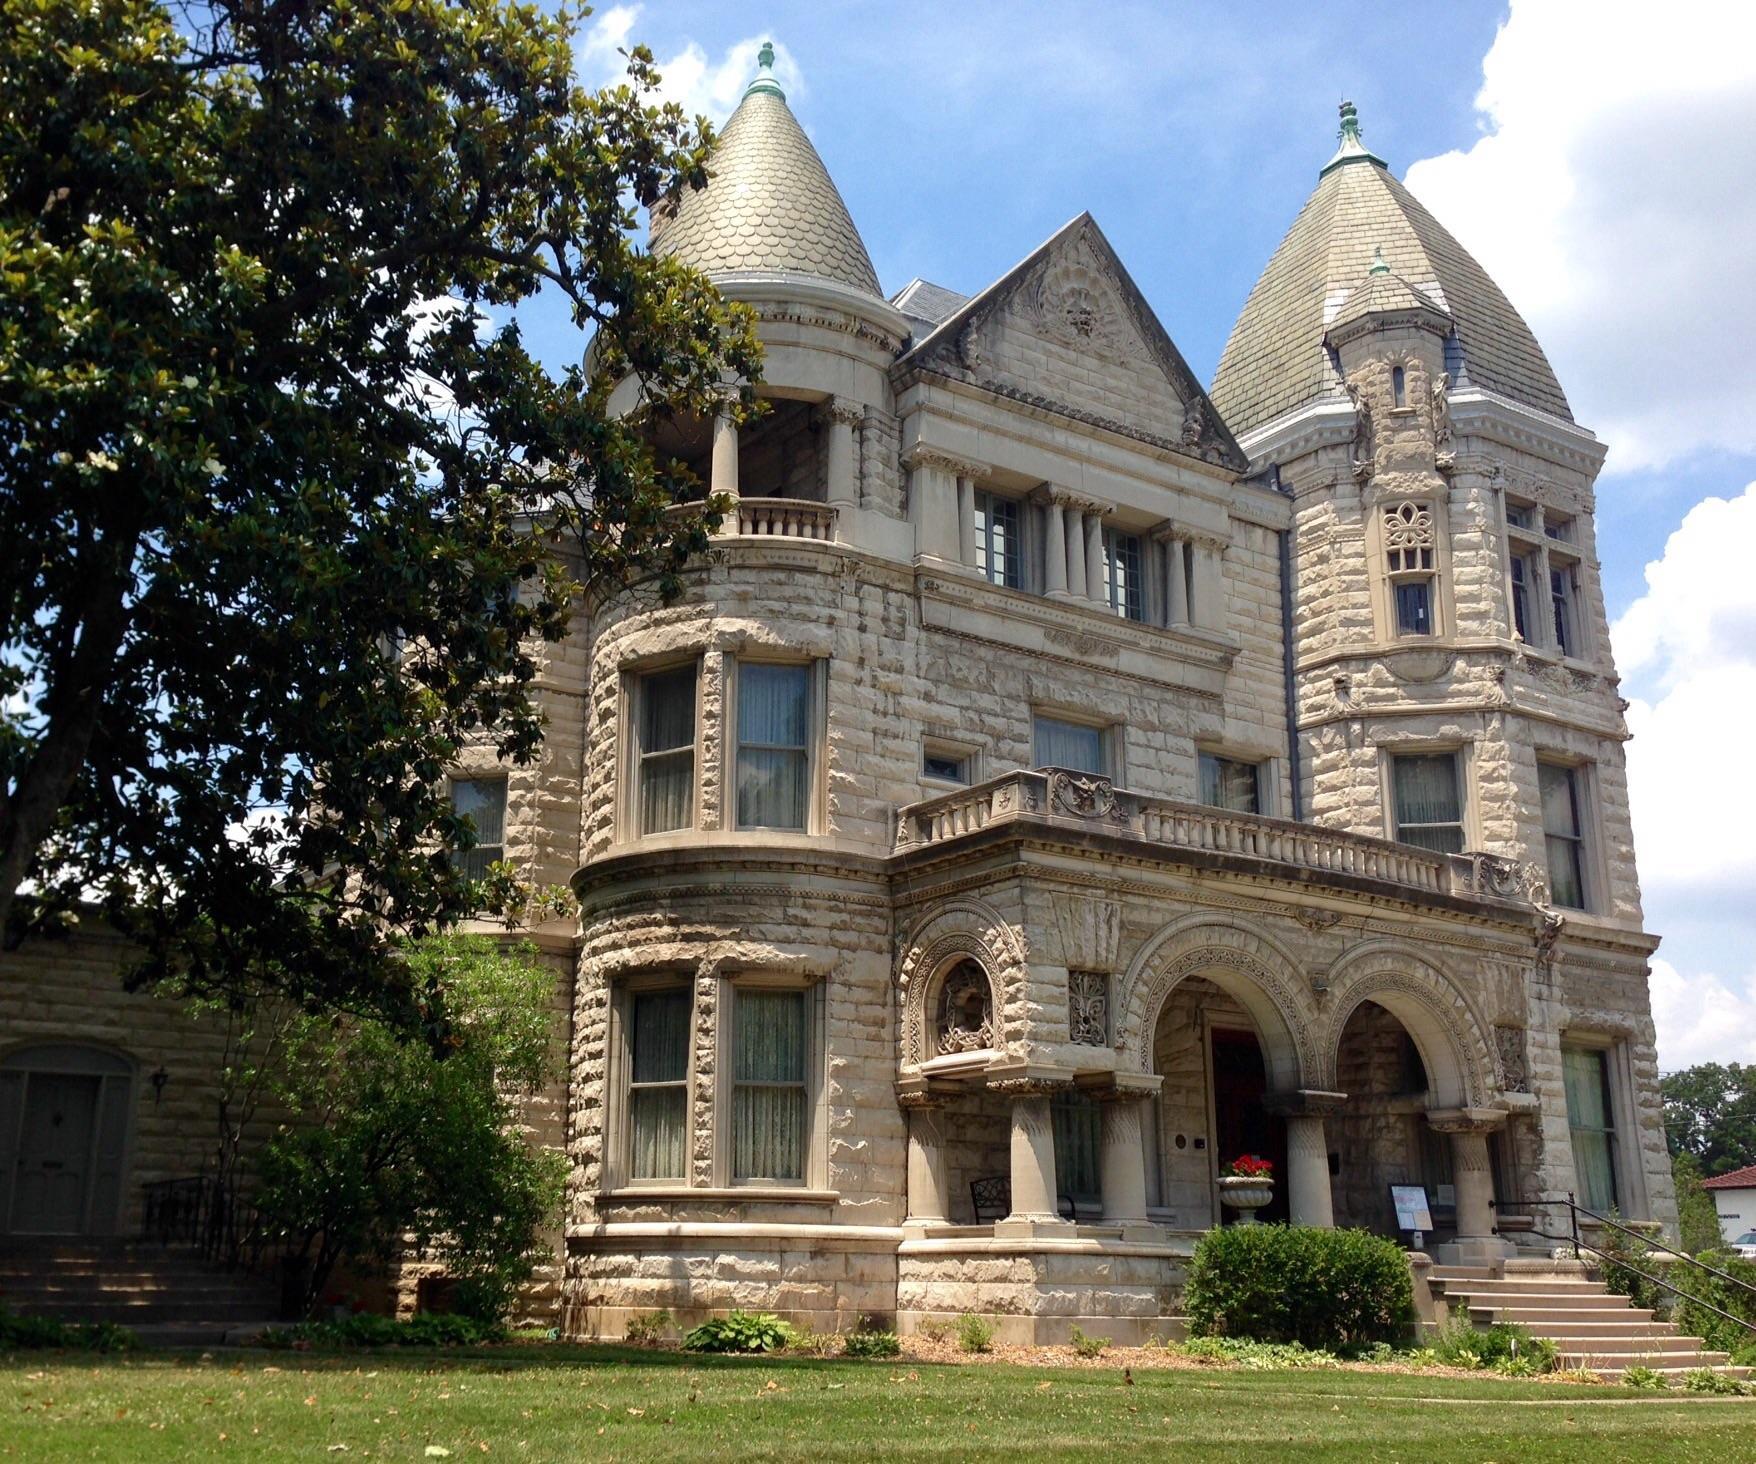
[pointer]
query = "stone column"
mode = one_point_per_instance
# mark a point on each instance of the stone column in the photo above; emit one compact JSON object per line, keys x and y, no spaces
{"x":932,"y":505}
{"x":722,"y":475}
{"x":926,"y":1163}
{"x":1033,"y":1156}
{"x":1472,"y":1177}
{"x":966,"y":519}
{"x":1122,"y":1171}
{"x":1055,"y":553}
{"x":1094,"y":556}
{"x":1076,"y":556}
{"x":840,"y":486}
{"x":1206,"y":593}
{"x":1176,"y":585}
{"x":1309,"y":1201}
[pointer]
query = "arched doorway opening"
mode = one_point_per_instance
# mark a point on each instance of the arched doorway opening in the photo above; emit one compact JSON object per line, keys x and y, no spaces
{"x":64,"y":1115}
{"x":1381,"y":1136}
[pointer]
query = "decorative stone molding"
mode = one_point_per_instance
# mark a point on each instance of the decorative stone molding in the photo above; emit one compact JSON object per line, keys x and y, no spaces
{"x":967,"y":929}
{"x":1029,"y":1087}
{"x":1082,"y":796}
{"x":966,"y":1011}
{"x":1304,"y":1103}
{"x":1088,"y":1008}
{"x":1481,"y":873}
{"x":1510,"y":1049}
{"x":1090,"y":930}
{"x":842,"y":412}
{"x":924,"y":456}
{"x":1470,"y":1120}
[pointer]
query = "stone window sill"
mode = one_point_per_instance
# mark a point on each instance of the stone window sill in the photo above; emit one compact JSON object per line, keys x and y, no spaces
{"x":748,"y":1193}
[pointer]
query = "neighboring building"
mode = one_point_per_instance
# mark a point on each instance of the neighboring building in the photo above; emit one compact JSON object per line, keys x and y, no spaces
{"x":1059,"y":781}
{"x":1734,"y":1198}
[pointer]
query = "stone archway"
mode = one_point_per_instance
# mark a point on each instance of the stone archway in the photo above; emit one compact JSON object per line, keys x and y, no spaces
{"x":954,"y":938}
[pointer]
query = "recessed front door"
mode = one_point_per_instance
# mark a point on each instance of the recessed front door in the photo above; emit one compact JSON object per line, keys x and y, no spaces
{"x":1241,"y":1124}
{"x":55,"y":1151}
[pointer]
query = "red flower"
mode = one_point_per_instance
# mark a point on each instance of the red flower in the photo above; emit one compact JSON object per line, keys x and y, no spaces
{"x":1249,"y":1166}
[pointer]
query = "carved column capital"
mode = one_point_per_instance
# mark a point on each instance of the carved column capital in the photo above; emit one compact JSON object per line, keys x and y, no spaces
{"x":841,"y":412}
{"x":1466,"y":1120}
{"x":925,"y":456}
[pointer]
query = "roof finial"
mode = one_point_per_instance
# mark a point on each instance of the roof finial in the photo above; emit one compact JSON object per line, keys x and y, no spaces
{"x":1350,"y":123}
{"x":1352,"y":149}
{"x":765,"y":81}
{"x":1378,"y":264}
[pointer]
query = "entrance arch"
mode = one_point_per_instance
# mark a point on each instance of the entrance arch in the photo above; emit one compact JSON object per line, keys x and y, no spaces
{"x":64,"y":1118}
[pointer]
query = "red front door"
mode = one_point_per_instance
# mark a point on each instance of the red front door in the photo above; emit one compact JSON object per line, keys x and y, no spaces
{"x":1241,"y":1124}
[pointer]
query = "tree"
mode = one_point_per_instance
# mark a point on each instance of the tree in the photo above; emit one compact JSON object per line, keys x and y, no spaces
{"x":1710,"y":1112}
{"x":1697,"y":1216}
{"x":287,"y":504}
{"x":384,"y":1136}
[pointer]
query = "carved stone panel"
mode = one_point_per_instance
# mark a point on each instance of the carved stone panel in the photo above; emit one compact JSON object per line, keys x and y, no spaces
{"x":1088,"y":1008}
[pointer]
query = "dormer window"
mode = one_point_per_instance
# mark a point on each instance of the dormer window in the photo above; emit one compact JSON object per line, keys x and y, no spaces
{"x":1398,"y":387}
{"x":1410,"y":558}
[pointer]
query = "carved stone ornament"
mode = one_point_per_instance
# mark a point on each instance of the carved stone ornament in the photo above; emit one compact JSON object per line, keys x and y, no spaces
{"x":1444,"y":444}
{"x":1365,"y":451}
{"x":966,"y":1010}
{"x":1088,"y":1008}
{"x":1195,"y":424}
{"x":1509,"y":1048}
{"x":1084,"y":797}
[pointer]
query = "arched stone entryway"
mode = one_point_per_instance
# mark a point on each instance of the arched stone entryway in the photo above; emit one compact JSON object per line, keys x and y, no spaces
{"x":64,"y":1117}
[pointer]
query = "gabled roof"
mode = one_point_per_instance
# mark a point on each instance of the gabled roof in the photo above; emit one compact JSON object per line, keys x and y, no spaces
{"x":926,"y":303}
{"x":1275,"y":361}
{"x":770,"y":205}
{"x":1744,"y":1178}
{"x":940,"y":345}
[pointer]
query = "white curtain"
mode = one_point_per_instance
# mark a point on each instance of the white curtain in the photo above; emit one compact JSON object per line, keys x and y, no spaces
{"x":1068,"y":745}
{"x":1228,"y":784}
{"x":774,"y":738}
{"x":1429,"y":811}
{"x":1561,"y":825}
{"x":768,"y":1085}
{"x":1589,"y":1116}
{"x":658,"y":1099}
{"x":667,"y":750}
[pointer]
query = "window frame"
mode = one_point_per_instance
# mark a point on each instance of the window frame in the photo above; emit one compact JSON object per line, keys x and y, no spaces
{"x":814,"y":1138}
{"x":1012,"y":560}
{"x":636,"y":681}
{"x":1134,"y":602}
{"x":1108,"y":742}
{"x":630,"y":995}
{"x":462,"y":861}
{"x":1609,"y":1064}
{"x":618,"y":1148}
{"x":816,"y":694}
{"x":965,"y":754}
{"x":1259,"y":766}
{"x":1399,"y":572}
{"x":1465,"y":803}
{"x":1580,"y":838}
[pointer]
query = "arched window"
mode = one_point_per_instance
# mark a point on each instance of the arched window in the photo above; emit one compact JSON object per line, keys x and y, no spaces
{"x":64,"y":1110}
{"x":1410,"y":557}
{"x":1398,"y":387}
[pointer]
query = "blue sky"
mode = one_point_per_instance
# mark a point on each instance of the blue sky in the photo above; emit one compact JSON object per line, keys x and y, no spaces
{"x":1598,"y":157}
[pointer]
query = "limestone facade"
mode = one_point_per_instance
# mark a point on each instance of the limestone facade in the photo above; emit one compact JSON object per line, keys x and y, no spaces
{"x":1000,"y":834}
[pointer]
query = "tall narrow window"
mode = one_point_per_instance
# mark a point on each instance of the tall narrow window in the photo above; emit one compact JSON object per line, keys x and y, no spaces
{"x":665,"y":726}
{"x":768,"y":1085}
{"x":1398,"y":386}
{"x":1429,"y":802}
{"x":1124,"y":583}
{"x":483,"y":802}
{"x":1521,"y":588}
{"x":774,"y":745}
{"x":1069,"y":745}
{"x":1585,"y":1072}
{"x":658,"y":1086}
{"x":997,"y":539}
{"x":1561,"y":585}
{"x":1562,"y":831}
{"x":1078,"y":1125}
{"x":1409,"y":548}
{"x":1228,"y":783}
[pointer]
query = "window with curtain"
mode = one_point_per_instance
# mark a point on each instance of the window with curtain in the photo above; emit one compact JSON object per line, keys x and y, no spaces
{"x":774,"y":745}
{"x":665,"y":728}
{"x":658,"y":1084}
{"x":769,"y":1068}
{"x":1561,"y":596}
{"x":1078,"y":1123}
{"x":1229,"y":783}
{"x":1072,"y":745}
{"x":483,"y":802}
{"x":1429,"y":801}
{"x":1563,"y":833}
{"x":997,"y":539}
{"x":1124,"y":580}
{"x":1585,"y":1072}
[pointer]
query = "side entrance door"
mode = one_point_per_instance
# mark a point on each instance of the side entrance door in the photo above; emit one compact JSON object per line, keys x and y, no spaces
{"x":54,"y":1153}
{"x":64,"y":1122}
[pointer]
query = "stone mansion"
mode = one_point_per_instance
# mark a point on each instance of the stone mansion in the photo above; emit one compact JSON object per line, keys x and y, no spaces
{"x":1058,"y":781}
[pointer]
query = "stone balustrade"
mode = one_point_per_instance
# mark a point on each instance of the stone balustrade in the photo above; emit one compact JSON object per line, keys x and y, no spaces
{"x":1059,"y":797}
{"x":786,"y":518}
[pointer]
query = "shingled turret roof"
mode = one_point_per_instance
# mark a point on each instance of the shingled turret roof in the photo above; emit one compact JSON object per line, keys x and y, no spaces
{"x":1275,"y":361}
{"x":770,"y":205}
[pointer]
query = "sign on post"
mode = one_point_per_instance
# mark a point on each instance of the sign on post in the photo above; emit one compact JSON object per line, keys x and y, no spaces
{"x":1412,"y":1210}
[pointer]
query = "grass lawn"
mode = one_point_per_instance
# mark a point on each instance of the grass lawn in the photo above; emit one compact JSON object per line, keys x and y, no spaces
{"x":569,"y":1403}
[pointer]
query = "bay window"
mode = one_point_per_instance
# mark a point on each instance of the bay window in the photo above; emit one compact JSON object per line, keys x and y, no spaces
{"x":770,"y":1077}
{"x":658,"y":1087}
{"x":775,"y":729}
{"x":664,"y":750}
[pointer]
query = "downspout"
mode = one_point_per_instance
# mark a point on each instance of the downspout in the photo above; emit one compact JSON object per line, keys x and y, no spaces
{"x":1285,"y":537}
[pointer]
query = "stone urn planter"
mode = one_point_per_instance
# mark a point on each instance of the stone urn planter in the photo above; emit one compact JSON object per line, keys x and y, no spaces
{"x":1246,"y":1193}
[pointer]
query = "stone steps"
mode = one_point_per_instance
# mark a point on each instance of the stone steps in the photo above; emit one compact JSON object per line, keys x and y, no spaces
{"x":160,"y":1293}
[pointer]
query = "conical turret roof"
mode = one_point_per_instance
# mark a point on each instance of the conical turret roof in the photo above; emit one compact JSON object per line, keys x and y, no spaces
{"x":771,"y":205}
{"x":1275,"y":361}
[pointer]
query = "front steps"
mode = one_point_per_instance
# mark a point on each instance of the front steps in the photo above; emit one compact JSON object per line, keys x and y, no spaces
{"x":167,"y":1297}
{"x":1592,"y":1326}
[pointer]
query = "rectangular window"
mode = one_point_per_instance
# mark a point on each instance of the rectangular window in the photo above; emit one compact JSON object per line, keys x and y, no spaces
{"x":665,"y":727}
{"x":1520,"y":515}
{"x":947,"y":767}
{"x":1558,"y":528}
{"x":768,"y":1085}
{"x":774,"y":745}
{"x":1069,"y":745}
{"x":997,"y":539}
{"x":1561,"y":587}
{"x":483,"y":802}
{"x":1124,"y":581}
{"x":658,"y":1085}
{"x":1078,"y":1124}
{"x":1585,"y":1072}
{"x":1564,"y":835}
{"x":1414,"y":606}
{"x":1429,"y":802}
{"x":1228,"y":783}
{"x":1522,"y":575}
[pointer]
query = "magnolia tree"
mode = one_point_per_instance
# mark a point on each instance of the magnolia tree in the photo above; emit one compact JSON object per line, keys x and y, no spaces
{"x":287,"y":503}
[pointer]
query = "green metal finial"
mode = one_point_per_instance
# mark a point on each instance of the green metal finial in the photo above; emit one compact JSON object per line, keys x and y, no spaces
{"x":1352,"y":149}
{"x":1378,"y":264}
{"x":1350,"y":123}
{"x":765,"y":81}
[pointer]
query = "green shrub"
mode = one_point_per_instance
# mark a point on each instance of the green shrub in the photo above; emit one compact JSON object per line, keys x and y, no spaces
{"x":1503,"y":1347}
{"x":1643,"y":1377}
{"x":647,"y":1328}
{"x":870,"y":1344}
{"x":1334,"y":1290}
{"x":1242,"y":1352}
{"x":1706,"y":1380}
{"x":369,"y":1329}
{"x":29,"y":1333}
{"x":1085,"y":1346}
{"x":740,"y":1331}
{"x":1704,"y":1296}
{"x":974,"y":1333}
{"x":934,"y":1331}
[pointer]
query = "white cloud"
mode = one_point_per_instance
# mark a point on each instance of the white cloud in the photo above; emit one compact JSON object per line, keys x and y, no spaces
{"x":704,"y":86}
{"x":1619,"y":140}
{"x":1701,"y":1018}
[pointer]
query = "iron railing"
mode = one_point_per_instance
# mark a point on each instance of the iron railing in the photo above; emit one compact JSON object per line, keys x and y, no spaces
{"x":1580,"y":1244}
{"x":212,"y":1218}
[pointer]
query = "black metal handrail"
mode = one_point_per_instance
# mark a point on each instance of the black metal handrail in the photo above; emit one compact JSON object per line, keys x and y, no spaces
{"x":1575,"y":1210}
{"x":198,"y":1211}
